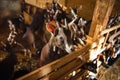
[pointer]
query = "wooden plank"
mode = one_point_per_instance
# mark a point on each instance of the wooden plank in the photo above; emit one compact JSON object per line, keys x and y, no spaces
{"x":28,"y":18}
{"x":76,"y":68}
{"x":107,"y":31}
{"x":110,"y":29}
{"x":108,"y":13}
{"x":100,"y":18}
{"x":57,"y":74}
{"x":89,"y":39}
{"x":40,"y":72}
{"x":42,"y":3}
{"x":106,"y":38}
{"x":66,"y":68}
{"x":112,"y":37}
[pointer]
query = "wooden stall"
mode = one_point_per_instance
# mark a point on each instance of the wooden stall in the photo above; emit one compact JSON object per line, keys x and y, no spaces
{"x":68,"y":67}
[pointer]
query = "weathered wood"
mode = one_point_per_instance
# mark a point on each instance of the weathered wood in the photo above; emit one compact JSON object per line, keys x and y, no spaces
{"x":107,"y":31}
{"x":101,"y":14}
{"x":96,"y":49}
{"x":106,"y":38}
{"x":66,"y":68}
{"x":42,"y":3}
{"x":43,"y":71}
{"x":112,"y":37}
{"x":28,"y":18}
{"x":76,"y":68}
{"x":110,"y":29}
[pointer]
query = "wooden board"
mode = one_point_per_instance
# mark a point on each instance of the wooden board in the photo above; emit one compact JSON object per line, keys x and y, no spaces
{"x":43,"y":71}
{"x":100,"y":19}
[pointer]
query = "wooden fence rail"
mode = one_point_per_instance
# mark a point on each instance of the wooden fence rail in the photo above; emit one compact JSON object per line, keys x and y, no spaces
{"x":59,"y":67}
{"x":63,"y":67}
{"x":110,"y":29}
{"x":107,"y":34}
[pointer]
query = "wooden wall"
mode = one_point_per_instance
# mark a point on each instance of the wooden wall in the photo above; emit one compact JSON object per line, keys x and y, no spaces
{"x":41,"y":3}
{"x":88,"y":7}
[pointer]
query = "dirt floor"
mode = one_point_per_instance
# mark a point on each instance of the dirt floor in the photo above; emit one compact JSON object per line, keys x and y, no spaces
{"x":112,"y":73}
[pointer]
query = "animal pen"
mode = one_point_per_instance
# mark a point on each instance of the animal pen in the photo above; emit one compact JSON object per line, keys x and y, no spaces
{"x":69,"y":66}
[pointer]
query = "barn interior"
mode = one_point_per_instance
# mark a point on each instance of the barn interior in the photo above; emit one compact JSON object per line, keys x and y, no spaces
{"x":102,"y":19}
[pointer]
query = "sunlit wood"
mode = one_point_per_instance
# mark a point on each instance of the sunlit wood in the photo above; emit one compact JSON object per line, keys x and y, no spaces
{"x":109,"y":30}
{"x":101,"y":14}
{"x":54,"y":65}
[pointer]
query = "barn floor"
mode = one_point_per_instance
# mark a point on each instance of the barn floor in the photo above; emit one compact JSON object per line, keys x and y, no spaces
{"x":112,"y":73}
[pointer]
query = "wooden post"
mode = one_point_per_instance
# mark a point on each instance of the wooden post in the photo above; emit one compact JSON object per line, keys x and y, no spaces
{"x":101,"y":15}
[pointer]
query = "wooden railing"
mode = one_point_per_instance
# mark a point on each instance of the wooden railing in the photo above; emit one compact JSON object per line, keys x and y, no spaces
{"x":107,"y":34}
{"x":62,"y":68}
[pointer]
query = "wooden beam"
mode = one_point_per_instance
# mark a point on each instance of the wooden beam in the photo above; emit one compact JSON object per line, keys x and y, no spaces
{"x":47,"y":69}
{"x":42,"y":3}
{"x":110,"y":29}
{"x":63,"y":70}
{"x":112,"y":37}
{"x":101,"y":15}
